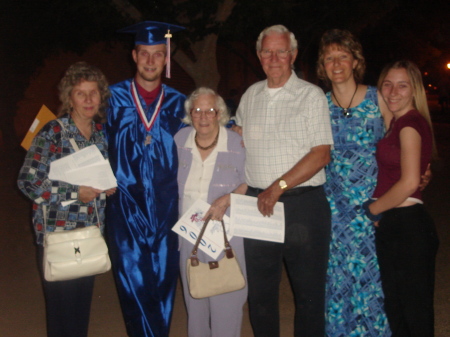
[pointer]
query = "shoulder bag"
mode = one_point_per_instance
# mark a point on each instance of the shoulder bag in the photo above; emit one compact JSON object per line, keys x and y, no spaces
{"x":215,"y":277}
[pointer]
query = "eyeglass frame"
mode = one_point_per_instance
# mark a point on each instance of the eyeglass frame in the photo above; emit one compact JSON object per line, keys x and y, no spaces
{"x":207,"y":113}
{"x":268,"y":53}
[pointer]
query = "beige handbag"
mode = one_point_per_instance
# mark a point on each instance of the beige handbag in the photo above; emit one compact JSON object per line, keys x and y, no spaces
{"x":215,"y":277}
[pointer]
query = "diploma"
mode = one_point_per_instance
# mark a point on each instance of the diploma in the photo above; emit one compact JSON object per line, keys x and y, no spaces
{"x":248,"y":222}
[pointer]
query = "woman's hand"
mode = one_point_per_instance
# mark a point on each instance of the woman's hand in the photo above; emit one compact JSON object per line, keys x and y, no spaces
{"x":87,"y":194}
{"x":426,"y":178}
{"x":218,"y":208}
{"x":111,"y":191}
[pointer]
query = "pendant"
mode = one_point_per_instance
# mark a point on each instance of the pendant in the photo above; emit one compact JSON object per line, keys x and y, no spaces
{"x":148,"y":140}
{"x":346,"y":112}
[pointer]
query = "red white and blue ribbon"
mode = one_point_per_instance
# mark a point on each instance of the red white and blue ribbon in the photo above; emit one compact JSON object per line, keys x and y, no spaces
{"x":148,"y":124}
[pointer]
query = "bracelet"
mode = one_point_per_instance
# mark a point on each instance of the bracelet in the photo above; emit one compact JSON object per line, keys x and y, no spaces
{"x":368,"y":213}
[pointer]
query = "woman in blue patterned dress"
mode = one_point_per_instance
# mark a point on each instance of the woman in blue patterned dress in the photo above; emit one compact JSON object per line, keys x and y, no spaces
{"x":354,"y":302}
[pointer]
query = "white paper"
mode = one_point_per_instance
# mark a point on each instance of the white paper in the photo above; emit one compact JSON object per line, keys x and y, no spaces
{"x":86,"y":167}
{"x":34,"y":125}
{"x":190,"y":225}
{"x":67,"y":202}
{"x":248,"y":221}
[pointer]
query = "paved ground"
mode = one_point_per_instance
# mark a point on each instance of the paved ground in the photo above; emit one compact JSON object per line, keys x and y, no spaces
{"x":21,"y":301}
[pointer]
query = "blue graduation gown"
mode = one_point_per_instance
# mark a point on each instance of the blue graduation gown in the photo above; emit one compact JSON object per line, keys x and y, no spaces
{"x":140,"y":215}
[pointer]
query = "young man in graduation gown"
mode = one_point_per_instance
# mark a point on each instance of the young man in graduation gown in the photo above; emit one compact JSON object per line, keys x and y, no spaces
{"x":143,"y":116}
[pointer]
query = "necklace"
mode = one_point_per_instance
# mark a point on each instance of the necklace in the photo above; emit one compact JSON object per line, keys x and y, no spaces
{"x":214,"y":143}
{"x":345,"y":111}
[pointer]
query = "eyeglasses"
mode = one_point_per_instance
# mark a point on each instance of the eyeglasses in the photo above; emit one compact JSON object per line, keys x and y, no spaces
{"x":281,"y":54}
{"x":210,"y":113}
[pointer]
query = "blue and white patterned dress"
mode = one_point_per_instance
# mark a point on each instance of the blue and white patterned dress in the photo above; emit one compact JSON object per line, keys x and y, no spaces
{"x":354,"y":295}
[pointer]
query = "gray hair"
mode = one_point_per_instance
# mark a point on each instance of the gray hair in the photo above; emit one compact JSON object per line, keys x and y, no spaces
{"x":220,"y":105}
{"x":276,"y":29}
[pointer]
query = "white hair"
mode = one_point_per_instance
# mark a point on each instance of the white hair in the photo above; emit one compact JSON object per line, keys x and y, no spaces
{"x":276,"y":29}
{"x":220,"y":105}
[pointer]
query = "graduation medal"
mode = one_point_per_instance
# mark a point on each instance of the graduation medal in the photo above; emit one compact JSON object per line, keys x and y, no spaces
{"x":148,"y":124}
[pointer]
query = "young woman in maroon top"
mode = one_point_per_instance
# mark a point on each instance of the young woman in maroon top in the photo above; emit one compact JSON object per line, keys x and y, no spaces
{"x":406,"y":238}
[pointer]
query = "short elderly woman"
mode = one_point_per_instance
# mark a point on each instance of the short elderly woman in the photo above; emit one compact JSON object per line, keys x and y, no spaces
{"x":211,"y":166}
{"x":83,"y":92}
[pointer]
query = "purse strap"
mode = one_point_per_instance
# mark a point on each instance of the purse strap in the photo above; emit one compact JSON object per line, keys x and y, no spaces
{"x":71,"y":140}
{"x":228,"y":249}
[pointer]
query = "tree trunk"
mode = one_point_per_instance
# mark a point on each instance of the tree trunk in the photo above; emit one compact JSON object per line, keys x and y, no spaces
{"x":204,"y":70}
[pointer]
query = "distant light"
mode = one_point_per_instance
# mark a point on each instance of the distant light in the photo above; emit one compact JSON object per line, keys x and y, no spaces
{"x":429,"y":85}
{"x":448,"y":65}
{"x":435,"y":88}
{"x":426,"y":73}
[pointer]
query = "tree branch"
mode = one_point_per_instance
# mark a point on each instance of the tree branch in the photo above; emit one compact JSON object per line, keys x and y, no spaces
{"x":127,"y":10}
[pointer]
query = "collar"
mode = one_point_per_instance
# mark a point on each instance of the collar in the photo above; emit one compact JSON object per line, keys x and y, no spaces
{"x":148,"y":96}
{"x":289,"y":86}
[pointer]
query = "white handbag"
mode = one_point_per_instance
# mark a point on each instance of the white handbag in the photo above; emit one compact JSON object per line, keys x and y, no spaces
{"x":75,"y":253}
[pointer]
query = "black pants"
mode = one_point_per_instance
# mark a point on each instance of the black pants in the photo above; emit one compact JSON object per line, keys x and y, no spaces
{"x":407,"y":244}
{"x":305,"y":253}
{"x":68,"y":305}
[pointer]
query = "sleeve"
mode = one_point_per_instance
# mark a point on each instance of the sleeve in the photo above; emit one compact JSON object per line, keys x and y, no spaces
{"x":240,"y":110}
{"x":319,"y":130}
{"x":240,"y":165}
{"x":413,"y":121}
{"x":33,"y":178}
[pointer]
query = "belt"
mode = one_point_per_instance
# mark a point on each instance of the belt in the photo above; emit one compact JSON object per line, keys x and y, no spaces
{"x":290,"y":192}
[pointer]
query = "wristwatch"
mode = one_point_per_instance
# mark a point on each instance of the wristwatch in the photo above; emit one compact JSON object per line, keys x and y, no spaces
{"x":282,"y":184}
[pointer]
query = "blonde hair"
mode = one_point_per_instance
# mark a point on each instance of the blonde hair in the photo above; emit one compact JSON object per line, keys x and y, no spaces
{"x":420,"y":102}
{"x":344,"y":40}
{"x":74,"y":75}
{"x":220,"y":105}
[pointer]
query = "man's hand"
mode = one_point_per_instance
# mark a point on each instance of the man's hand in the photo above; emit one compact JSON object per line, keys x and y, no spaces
{"x":268,"y":198}
{"x":237,"y":129}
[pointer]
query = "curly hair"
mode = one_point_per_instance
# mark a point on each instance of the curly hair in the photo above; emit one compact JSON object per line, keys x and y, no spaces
{"x":346,"y":41}
{"x":76,"y":74}
{"x":219,"y":105}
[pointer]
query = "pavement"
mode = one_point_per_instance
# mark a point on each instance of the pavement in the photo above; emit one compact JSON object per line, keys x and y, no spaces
{"x":22,"y":311}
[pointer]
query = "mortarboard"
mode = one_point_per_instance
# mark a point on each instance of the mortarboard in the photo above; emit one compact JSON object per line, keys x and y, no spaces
{"x":151,"y":33}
